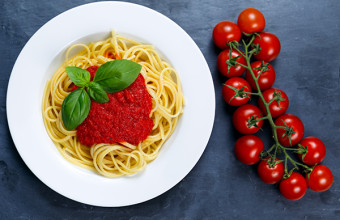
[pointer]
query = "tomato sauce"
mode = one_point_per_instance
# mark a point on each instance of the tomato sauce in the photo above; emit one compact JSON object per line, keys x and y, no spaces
{"x":125,"y":118}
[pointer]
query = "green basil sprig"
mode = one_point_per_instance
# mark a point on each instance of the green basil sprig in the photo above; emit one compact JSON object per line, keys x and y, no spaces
{"x":116,"y":76}
{"x":97,"y":93}
{"x":75,"y":108}
{"x":110,"y":77}
{"x":78,"y":76}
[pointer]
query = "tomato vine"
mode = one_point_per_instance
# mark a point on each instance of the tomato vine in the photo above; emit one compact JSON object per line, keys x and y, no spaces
{"x":247,"y":54}
{"x":287,"y":129}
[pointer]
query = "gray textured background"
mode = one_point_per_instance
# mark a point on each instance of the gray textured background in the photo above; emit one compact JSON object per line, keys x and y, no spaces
{"x":219,"y":186}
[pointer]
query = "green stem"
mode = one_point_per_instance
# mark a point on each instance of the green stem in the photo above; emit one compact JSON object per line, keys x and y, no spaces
{"x":251,"y":41}
{"x":266,"y":105}
{"x":295,"y":163}
{"x":275,"y":152}
{"x":271,"y":101}
{"x":283,"y":127}
{"x":240,"y":64}
{"x":270,"y":149}
{"x":238,"y":50}
{"x":286,"y":167}
{"x":268,"y":116}
{"x":263,"y":118}
{"x":289,"y":148}
{"x":251,"y":93}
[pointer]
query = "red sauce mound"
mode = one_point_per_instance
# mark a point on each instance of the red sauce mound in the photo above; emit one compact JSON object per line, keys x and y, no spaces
{"x":125,"y":118}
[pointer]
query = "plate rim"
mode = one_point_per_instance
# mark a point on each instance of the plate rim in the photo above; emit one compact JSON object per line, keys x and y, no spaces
{"x":10,"y":89}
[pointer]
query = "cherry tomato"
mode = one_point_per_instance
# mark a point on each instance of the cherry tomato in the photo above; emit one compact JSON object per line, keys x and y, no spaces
{"x":251,"y":20}
{"x":270,"y":175}
{"x":248,"y":149}
{"x":293,"y":122}
{"x":243,"y":114}
{"x":294,"y":187}
{"x":223,"y":66}
{"x":320,"y":179}
{"x":316,"y":151}
{"x":226,"y":31}
{"x":266,"y":79}
{"x":270,"y":46}
{"x":274,"y":108}
{"x":228,"y":93}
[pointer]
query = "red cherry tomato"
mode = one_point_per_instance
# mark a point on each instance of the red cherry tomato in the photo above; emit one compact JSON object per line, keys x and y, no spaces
{"x":243,"y":114}
{"x":266,"y":79}
{"x":270,"y":46}
{"x":270,"y":175}
{"x":316,"y":151}
{"x":294,"y":187}
{"x":248,"y":149}
{"x":251,"y":20}
{"x":274,"y":108}
{"x":228,"y":93}
{"x":223,"y":66}
{"x":293,"y":122}
{"x":320,"y":179}
{"x":226,"y":31}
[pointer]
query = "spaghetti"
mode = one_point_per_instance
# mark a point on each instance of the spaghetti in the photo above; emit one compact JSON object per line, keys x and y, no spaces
{"x":162,"y":83}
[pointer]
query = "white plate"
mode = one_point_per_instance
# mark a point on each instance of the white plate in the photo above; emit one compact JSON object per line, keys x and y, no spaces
{"x":44,"y":53}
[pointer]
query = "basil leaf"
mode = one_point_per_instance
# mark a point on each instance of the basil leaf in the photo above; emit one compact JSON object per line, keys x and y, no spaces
{"x":116,"y":75}
{"x":75,"y":108}
{"x":97,"y":93}
{"x":78,"y":76}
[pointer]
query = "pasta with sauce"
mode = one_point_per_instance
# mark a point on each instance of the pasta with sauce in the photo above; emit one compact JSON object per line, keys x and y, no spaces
{"x":118,"y":159}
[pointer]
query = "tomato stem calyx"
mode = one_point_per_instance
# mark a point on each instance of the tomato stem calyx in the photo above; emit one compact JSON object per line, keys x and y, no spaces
{"x":288,"y":132}
{"x":256,"y":49}
{"x":272,"y":161}
{"x":302,"y":150}
{"x":253,"y":120}
{"x":238,"y":92}
{"x":278,"y":98}
{"x":309,"y":170}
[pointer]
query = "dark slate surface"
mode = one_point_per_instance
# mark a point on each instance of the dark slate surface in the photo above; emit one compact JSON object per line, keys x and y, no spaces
{"x":219,"y":187}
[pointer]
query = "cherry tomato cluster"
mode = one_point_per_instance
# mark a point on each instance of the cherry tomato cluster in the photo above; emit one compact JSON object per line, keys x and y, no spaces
{"x":288,"y":130}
